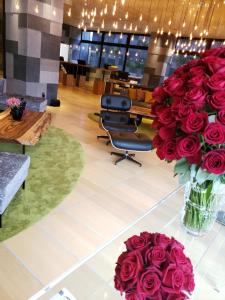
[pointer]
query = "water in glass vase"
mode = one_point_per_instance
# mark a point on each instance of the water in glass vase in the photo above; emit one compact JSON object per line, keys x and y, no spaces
{"x":201,"y":204}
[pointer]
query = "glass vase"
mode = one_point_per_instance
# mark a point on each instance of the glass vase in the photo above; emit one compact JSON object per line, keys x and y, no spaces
{"x":201,"y":205}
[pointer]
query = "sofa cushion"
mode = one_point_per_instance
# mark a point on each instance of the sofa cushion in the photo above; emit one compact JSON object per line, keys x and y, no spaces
{"x":13,"y":172}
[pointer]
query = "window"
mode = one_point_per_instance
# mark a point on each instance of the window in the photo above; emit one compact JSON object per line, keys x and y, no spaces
{"x":115,"y":38}
{"x":91,"y":36}
{"x":113,"y":56}
{"x":135,"y":62}
{"x":140,"y":40}
{"x":88,"y":52}
{"x":111,"y":48}
{"x":176,"y":61}
{"x":216,"y":44}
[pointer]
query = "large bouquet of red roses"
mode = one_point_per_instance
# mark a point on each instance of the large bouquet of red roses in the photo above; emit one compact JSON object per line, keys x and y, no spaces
{"x":154,"y":267}
{"x":190,"y":117}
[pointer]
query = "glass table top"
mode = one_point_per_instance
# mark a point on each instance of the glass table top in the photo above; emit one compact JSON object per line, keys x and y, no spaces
{"x":92,"y":278}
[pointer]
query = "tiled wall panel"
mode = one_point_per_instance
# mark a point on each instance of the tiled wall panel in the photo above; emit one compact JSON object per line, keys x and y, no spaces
{"x":33,"y":47}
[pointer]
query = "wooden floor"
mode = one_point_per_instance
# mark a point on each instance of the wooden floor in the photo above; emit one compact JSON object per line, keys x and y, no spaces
{"x":106,"y":199}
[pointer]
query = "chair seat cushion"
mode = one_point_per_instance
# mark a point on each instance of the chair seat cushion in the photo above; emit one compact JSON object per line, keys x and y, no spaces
{"x":111,"y":126}
{"x":130,"y":141}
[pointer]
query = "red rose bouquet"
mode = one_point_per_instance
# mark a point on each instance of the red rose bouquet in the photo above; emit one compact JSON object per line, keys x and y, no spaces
{"x":190,"y":123}
{"x":154,"y":267}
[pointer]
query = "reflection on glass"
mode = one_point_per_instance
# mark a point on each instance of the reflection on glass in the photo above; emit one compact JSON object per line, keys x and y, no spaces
{"x":140,"y":40}
{"x":113,"y":56}
{"x":88,"y":52}
{"x":115,"y":38}
{"x":135,"y":62}
{"x":91,"y":36}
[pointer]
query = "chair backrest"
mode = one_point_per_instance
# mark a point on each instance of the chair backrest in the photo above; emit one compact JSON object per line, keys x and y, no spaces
{"x":115,"y":117}
{"x":116,"y":102}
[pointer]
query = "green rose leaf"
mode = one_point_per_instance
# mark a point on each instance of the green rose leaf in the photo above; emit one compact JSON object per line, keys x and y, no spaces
{"x":202,"y":176}
{"x":182,"y":169}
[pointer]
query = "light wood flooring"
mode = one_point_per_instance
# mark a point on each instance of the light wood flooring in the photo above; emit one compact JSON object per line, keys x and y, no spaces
{"x":106,"y":199}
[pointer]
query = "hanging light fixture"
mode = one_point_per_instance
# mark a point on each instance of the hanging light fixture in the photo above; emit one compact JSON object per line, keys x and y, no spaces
{"x":126,"y":15}
{"x":132,"y":38}
{"x":17,"y":6}
{"x":155,"y":19}
{"x":170,"y":22}
{"x":123,"y":2}
{"x":69,"y":13}
{"x":98,"y":31}
{"x":146,"y":29}
{"x":141,"y":18}
{"x":36,"y":9}
{"x":135,"y":29}
{"x":121,"y":35}
{"x":155,"y":40}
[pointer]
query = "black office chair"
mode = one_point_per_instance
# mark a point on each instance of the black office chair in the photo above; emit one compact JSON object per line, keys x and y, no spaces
{"x":115,"y":116}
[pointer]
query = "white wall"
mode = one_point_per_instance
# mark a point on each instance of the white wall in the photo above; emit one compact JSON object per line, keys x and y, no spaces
{"x":64,"y":51}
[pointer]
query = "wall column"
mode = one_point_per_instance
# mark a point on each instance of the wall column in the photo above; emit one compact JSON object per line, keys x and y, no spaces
{"x":33,"y":36}
{"x":158,"y":58}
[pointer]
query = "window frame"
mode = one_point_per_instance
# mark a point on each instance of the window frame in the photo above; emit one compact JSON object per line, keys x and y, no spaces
{"x":127,"y":45}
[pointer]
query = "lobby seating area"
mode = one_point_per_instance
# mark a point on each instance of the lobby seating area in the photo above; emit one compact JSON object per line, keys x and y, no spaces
{"x":112,"y":150}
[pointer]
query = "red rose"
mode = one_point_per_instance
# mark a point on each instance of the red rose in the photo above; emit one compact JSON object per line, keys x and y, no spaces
{"x":195,"y":122}
{"x":220,"y":51}
{"x":217,"y":100}
{"x":214,"y":161}
{"x":159,"y":94}
{"x":149,"y":283}
{"x":130,"y":267}
{"x":193,"y":63}
{"x":217,"y":82}
{"x":214,"y":134}
{"x":195,"y":159}
{"x":189,"y":283}
{"x":148,"y":237}
{"x":178,"y":257}
{"x":197,"y":71}
{"x":166,"y":117}
{"x":157,"y":141}
{"x":214,"y":63}
{"x":167,"y":133}
{"x":188,"y":145}
{"x":221,"y":117}
{"x":182,"y":110}
{"x":118,"y":284}
{"x":170,"y":150}
{"x":199,"y":80}
{"x":161,"y":240}
{"x":135,"y":242}
{"x":180,"y":296}
{"x":160,"y":152}
{"x":175,"y":86}
{"x":173,"y":279}
{"x":195,"y":96}
{"x":155,"y":256}
{"x":132,"y":296}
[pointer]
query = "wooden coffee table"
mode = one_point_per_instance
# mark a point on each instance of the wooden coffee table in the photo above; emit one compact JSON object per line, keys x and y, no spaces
{"x":142,"y":111}
{"x":26,"y":132}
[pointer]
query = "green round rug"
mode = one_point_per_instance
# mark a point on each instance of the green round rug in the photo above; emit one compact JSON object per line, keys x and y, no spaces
{"x":56,"y":164}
